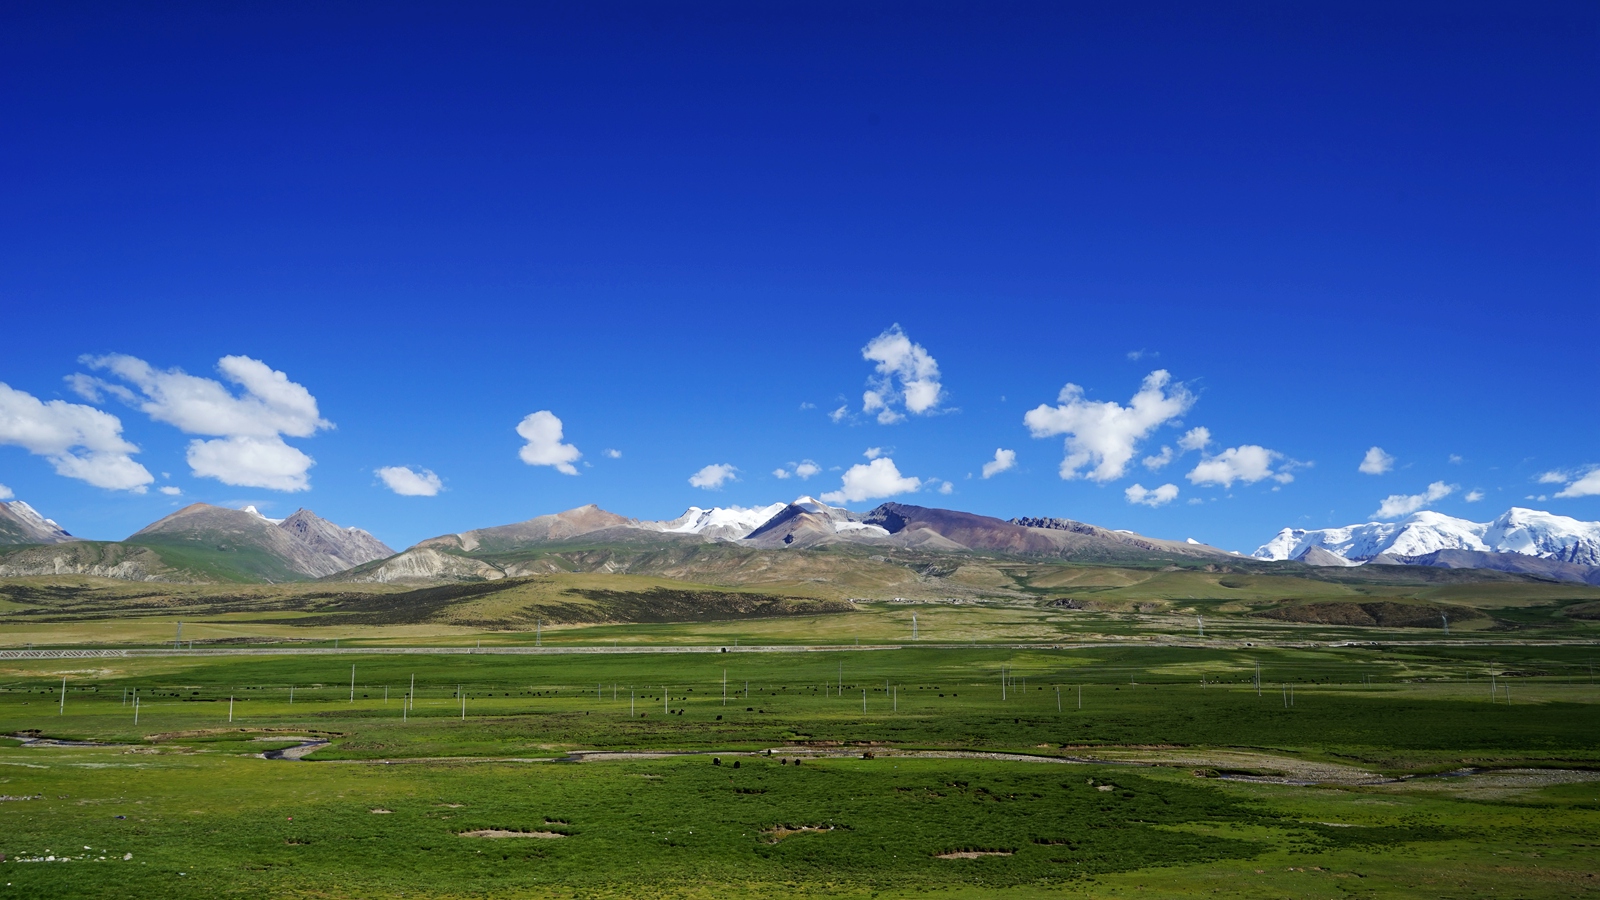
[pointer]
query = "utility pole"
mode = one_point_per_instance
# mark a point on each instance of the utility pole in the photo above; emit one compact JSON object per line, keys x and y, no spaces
{"x":230,"y":707}
{"x":1058,"y":698}
{"x":352,"y":684}
{"x":1201,"y":621}
{"x":538,"y":632}
{"x":863,"y":699}
{"x":724,"y":687}
{"x":664,"y":693}
{"x":63,"y":696}
{"x":913,"y":626}
{"x":178,"y":641}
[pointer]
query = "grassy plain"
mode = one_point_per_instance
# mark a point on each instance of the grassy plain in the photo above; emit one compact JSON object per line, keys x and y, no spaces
{"x":381,"y":809}
{"x":1266,"y":757}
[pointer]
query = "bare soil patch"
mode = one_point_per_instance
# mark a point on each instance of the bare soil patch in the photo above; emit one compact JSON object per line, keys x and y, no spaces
{"x":504,"y":833}
{"x":971,"y":854}
{"x":778,"y":832}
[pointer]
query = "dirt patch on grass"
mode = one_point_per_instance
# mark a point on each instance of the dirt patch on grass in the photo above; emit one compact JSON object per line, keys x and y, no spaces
{"x":971,"y":854}
{"x":778,"y":832}
{"x":503,"y":833}
{"x":381,"y":812}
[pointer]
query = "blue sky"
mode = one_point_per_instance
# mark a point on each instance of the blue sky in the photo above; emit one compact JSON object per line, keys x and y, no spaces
{"x":677,"y":227}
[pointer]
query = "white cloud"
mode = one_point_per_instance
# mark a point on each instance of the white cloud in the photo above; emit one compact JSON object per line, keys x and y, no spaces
{"x":1554,"y":478}
{"x":713,"y":477}
{"x":1376,"y":462}
{"x":1455,"y":459}
{"x":408,"y":482}
{"x":1003,"y":460}
{"x":1197,"y":438}
{"x":1106,"y":433}
{"x":1588,"y":485}
{"x":170,"y":491}
{"x":1136,"y":355}
{"x":249,"y":426}
{"x":1473,"y":496}
{"x":840,"y":414}
{"x":542,"y":431}
{"x":1396,"y":505}
{"x":906,"y":376}
{"x":1160,"y":496}
{"x":5,"y":493}
{"x":873,"y":452}
{"x":808,"y":405}
{"x":612,"y":454}
{"x":879,"y":478}
{"x":947,"y":488}
{"x":79,"y":441}
{"x":803,"y":470}
{"x":251,"y":462}
{"x":1247,"y":463}
{"x":1159,"y":461}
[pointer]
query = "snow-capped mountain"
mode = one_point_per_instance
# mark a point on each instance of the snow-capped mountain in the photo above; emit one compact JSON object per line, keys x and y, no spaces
{"x":727,"y":523}
{"x":22,"y":524}
{"x":1525,"y":531}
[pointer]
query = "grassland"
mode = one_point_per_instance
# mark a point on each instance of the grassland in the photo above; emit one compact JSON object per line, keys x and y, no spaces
{"x":1019,"y":748}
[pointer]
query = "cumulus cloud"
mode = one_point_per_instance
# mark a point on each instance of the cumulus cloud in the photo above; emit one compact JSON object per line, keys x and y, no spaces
{"x":1473,"y":496}
{"x":248,"y":426}
{"x":5,"y":493}
{"x":802,"y":470}
{"x":409,"y":482}
{"x":542,"y":431}
{"x":1106,"y":434}
{"x":251,"y":462}
{"x":1160,"y":460}
{"x":1247,"y":463}
{"x":713,"y":477}
{"x":906,"y":376}
{"x":947,"y":488}
{"x":1554,"y":478}
{"x":1396,"y":505}
{"x":869,"y":481}
{"x":612,"y":454}
{"x":1160,"y":496}
{"x":170,"y":491}
{"x":1585,"y":485}
{"x":873,"y":452}
{"x":1376,"y":462}
{"x":1003,"y":460}
{"x":1196,"y":438}
{"x":79,"y":441}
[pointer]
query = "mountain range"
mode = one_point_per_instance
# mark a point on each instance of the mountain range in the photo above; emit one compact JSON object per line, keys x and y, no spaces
{"x":1519,"y":540}
{"x":197,"y":543}
{"x":209,"y":543}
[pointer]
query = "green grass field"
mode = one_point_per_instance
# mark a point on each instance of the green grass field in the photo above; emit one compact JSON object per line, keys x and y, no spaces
{"x":1163,"y":734}
{"x":1176,"y":776}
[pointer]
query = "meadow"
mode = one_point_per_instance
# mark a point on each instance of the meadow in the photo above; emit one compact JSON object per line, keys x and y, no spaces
{"x":1426,"y":770}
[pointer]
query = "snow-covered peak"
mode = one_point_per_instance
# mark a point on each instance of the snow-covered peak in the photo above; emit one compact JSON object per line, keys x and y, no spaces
{"x":257,"y":513}
{"x":722,"y":519}
{"x":1538,"y":533}
{"x":1523,"y":531}
{"x":30,"y":515}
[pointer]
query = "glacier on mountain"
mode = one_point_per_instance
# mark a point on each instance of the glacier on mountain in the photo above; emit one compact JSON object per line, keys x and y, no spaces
{"x":1525,"y":531}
